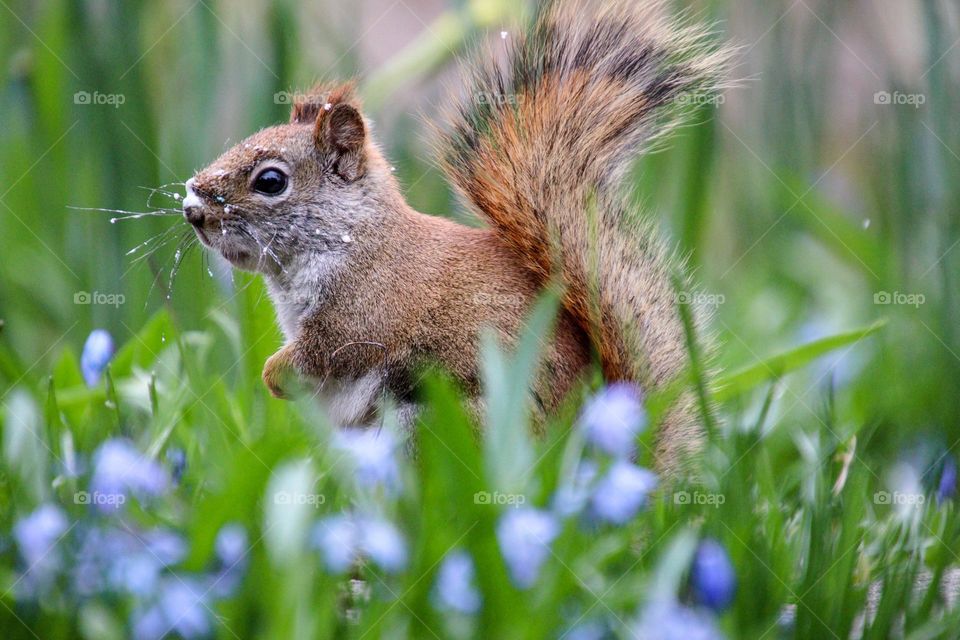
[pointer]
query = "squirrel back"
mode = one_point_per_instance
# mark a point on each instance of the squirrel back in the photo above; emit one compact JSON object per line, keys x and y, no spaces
{"x":540,"y":153}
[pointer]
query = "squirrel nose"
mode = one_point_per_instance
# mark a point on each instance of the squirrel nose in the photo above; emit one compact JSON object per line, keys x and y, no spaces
{"x":193,"y":206}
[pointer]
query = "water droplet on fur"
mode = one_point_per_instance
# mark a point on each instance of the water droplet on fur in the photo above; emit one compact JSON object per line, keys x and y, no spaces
{"x":327,"y":107}
{"x":227,"y":209}
{"x":317,"y":232}
{"x":223,"y":232}
{"x":393,"y":169}
{"x":346,"y":237}
{"x":221,"y":199}
{"x":503,"y":35}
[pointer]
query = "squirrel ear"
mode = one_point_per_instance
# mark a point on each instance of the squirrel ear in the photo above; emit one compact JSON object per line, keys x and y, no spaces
{"x":341,"y":131}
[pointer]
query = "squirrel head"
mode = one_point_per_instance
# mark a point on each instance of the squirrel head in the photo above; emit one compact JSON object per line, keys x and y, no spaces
{"x":293,"y":188}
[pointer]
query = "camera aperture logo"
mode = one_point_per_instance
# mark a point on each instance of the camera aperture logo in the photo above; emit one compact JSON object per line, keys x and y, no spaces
{"x":508,"y":499}
{"x":99,"y":298}
{"x":114,"y":100}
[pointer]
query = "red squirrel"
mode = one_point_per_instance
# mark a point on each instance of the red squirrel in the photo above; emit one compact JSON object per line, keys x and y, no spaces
{"x":368,"y":290}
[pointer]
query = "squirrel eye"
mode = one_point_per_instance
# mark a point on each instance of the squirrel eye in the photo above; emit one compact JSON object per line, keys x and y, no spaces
{"x":270,"y":182}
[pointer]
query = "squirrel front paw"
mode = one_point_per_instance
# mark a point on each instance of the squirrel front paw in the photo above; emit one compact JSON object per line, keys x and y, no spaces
{"x":279,"y":373}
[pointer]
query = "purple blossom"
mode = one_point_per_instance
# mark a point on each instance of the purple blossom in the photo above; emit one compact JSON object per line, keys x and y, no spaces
{"x":455,"y":587}
{"x":231,"y":544}
{"x":572,"y":496}
{"x":181,"y":608}
{"x":382,"y":543}
{"x":37,"y":537}
{"x":97,"y":351}
{"x":345,"y":538}
{"x":336,"y":538}
{"x":525,"y":535}
{"x":612,"y":419}
{"x":948,"y":481}
{"x":38,"y":533}
{"x":120,"y":469}
{"x":135,"y":573}
{"x":125,"y":560}
{"x":372,"y":454}
{"x":668,"y":620}
{"x":183,"y":602}
{"x":621,"y":493}
{"x":713,"y":577}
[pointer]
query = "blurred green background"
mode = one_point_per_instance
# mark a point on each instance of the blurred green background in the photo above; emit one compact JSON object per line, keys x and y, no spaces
{"x":824,"y":183}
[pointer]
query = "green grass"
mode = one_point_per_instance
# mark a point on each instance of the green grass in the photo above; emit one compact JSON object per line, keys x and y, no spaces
{"x":798,"y":201}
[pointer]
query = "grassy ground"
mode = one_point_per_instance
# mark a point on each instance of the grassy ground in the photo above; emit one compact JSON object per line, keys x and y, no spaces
{"x":818,"y":202}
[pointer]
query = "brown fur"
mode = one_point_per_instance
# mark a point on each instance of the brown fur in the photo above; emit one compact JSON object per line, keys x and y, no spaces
{"x":363,"y":284}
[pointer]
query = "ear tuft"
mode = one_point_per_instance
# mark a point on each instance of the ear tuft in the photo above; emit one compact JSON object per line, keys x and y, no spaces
{"x":340,"y":130}
{"x":308,"y":107}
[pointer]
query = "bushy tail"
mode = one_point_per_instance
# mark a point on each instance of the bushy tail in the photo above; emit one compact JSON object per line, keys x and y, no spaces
{"x":540,"y":152}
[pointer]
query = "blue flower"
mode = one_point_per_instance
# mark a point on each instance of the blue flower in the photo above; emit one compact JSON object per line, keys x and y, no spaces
{"x":590,"y":630}
{"x":164,"y":545}
{"x":948,"y":481}
{"x":345,"y":538}
{"x":372,"y":455}
{"x":574,"y":494}
{"x":231,"y":544}
{"x":668,"y":620}
{"x":37,"y":537}
{"x":183,"y":602}
{"x":612,"y":419}
{"x":621,"y":493}
{"x":713,"y":577}
{"x":232,"y":547}
{"x":525,"y":536}
{"x":38,"y":533}
{"x":336,"y":538}
{"x":455,"y":589}
{"x":135,"y":573}
{"x":120,"y":469}
{"x":177,"y":460}
{"x":382,"y":543}
{"x":97,"y":351}
{"x":181,"y":609}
